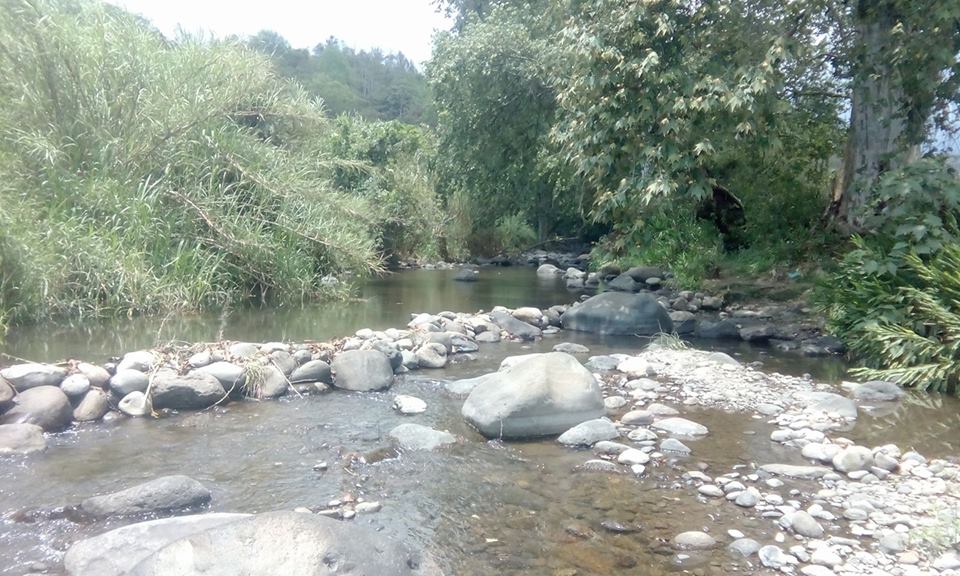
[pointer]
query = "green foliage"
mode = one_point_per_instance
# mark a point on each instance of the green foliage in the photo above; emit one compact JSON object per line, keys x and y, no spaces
{"x":496,"y":106}
{"x":514,"y":234}
{"x":922,"y":349}
{"x":375,"y":85}
{"x":669,"y":236}
{"x":139,"y":174}
{"x":895,"y":297}
{"x":389,"y":164}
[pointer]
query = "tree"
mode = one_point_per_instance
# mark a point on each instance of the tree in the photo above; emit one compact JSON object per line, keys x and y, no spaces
{"x":905,"y":78}
{"x":660,"y":96}
{"x":496,"y":105}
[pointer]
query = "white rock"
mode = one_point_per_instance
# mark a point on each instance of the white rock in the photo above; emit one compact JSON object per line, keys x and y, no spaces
{"x":409,"y":404}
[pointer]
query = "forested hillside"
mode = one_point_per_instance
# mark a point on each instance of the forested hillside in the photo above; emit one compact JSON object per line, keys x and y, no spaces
{"x":373,"y":84}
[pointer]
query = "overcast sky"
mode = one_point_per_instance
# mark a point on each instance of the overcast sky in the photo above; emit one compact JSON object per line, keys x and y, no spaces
{"x":393,"y":25}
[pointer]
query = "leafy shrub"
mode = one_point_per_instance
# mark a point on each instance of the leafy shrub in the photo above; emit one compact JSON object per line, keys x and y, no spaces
{"x":672,"y":237}
{"x":140,"y":174}
{"x":922,"y":348}
{"x":895,"y":296}
{"x":514,"y":234}
{"x":389,"y":164}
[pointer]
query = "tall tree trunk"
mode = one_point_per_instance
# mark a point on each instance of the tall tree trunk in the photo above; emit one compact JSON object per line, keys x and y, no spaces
{"x":878,"y":140}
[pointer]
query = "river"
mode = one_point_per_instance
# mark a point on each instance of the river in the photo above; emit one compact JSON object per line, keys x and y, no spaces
{"x":481,"y":507}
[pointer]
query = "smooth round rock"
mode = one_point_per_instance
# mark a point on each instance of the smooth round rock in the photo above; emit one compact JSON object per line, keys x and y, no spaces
{"x":46,"y":406}
{"x":693,"y":540}
{"x":94,"y":406}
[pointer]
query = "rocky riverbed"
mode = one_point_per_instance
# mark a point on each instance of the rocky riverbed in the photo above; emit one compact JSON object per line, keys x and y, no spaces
{"x":629,"y":424}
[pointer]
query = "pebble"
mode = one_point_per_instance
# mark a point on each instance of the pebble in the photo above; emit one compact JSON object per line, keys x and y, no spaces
{"x":693,"y":540}
{"x":632,"y":456}
{"x":710,"y":490}
{"x":748,"y":498}
{"x":773,"y":557}
{"x":744,"y":546}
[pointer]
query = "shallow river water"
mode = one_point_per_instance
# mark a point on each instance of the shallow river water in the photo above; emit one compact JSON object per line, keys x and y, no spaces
{"x":479,"y":508}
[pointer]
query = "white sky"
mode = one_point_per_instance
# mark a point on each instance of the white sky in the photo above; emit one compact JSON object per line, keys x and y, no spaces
{"x":392,"y":25}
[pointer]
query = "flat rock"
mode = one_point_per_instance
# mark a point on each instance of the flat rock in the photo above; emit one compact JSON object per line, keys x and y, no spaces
{"x":878,"y":391}
{"x":571,"y":348}
{"x":117,"y":552}
{"x":600,"y":466}
{"x":409,"y":404}
{"x":637,"y":418}
{"x":693,"y":540}
{"x":164,"y":494}
{"x":680,"y":427}
{"x":416,"y":437}
{"x":30,"y":375}
{"x":619,"y":313}
{"x":792,"y":471}
{"x":589,"y":433}
{"x":514,"y":327}
{"x":287,"y":543}
{"x":829,"y":403}
{"x":21,"y":439}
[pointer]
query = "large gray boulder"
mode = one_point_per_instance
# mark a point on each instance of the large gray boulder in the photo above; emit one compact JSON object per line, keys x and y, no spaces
{"x":164,"y":494}
{"x":312,"y":371}
{"x":362,"y":370}
{"x":188,"y":392}
{"x":46,"y":406}
{"x":118,"y":551}
{"x":515,"y":327}
{"x":288,"y":543}
{"x":619,"y":313}
{"x":544,"y":395}
{"x":21,"y":439}
{"x":26,"y":376}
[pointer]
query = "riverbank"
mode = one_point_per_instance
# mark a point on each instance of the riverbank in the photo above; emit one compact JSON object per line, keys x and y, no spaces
{"x":646,"y":427}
